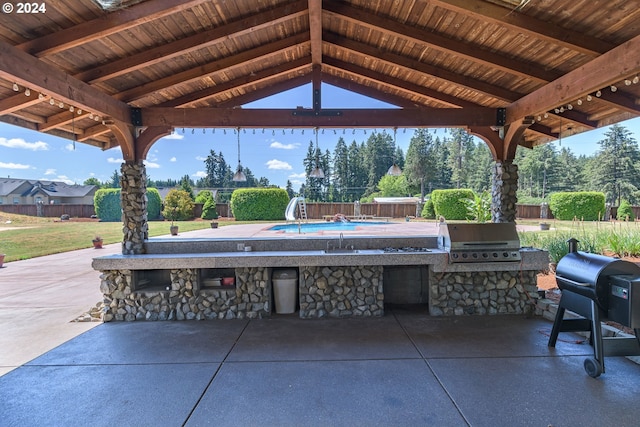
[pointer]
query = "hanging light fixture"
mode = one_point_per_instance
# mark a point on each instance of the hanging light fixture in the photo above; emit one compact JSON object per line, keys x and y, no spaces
{"x":239,"y":176}
{"x":317,"y":172}
{"x":394,"y":170}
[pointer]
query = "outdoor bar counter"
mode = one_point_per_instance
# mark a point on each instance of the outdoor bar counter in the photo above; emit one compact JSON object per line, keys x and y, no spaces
{"x":354,"y":277}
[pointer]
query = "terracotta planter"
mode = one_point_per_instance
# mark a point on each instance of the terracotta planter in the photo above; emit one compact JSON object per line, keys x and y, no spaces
{"x":97,"y":244}
{"x":1,"y":260}
{"x":214,"y":225}
{"x":174,"y":230}
{"x":545,"y":226}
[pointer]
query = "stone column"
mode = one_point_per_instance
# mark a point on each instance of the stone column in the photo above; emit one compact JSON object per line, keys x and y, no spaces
{"x":503,"y":192}
{"x":133,"y":182}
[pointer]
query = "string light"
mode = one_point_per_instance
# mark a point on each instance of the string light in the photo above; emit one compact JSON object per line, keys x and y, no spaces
{"x":635,"y":80}
{"x":16,"y":88}
{"x":27,"y":92}
{"x":613,"y":88}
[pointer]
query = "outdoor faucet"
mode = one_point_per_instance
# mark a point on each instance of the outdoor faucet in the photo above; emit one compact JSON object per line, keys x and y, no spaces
{"x":341,"y":240}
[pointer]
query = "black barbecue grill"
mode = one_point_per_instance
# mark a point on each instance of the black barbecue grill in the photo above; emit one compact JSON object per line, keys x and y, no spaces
{"x":598,"y":288}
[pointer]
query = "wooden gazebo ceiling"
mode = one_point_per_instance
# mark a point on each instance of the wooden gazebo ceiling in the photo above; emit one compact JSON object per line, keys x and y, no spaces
{"x":498,"y":64}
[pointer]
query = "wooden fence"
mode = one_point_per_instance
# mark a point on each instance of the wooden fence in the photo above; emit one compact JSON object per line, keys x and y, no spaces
{"x":314,"y":210}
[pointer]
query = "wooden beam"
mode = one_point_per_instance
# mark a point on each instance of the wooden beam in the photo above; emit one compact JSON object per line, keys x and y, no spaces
{"x":24,"y":69}
{"x":301,"y":66}
{"x":18,"y":102}
{"x":395,"y":60}
{"x":109,"y":23}
{"x":315,"y":30}
{"x":424,"y":37}
{"x":196,"y":73}
{"x":364,"y":90}
{"x":528,"y":25}
{"x":351,"y":118}
{"x":198,"y":41}
{"x":447,"y":100}
{"x":612,"y":67}
{"x":268,"y":90}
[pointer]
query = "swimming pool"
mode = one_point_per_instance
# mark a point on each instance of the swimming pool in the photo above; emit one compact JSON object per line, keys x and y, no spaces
{"x":315,"y":227}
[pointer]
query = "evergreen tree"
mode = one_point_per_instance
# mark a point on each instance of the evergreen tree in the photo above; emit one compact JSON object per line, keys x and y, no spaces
{"x":461,"y":146}
{"x":219,"y":173}
{"x":378,"y":156}
{"x":442,"y":177}
{"x":357,"y":172}
{"x":341,"y":175}
{"x":115,"y":180}
{"x":186,"y":184}
{"x":289,"y":189}
{"x":615,"y":169}
{"x":479,"y":177}
{"x":420,"y":167}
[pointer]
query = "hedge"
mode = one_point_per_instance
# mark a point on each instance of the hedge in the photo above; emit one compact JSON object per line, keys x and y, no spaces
{"x":451,"y":204}
{"x":106,"y":203}
{"x":250,"y":204}
{"x":582,"y":205}
{"x":154,"y":203}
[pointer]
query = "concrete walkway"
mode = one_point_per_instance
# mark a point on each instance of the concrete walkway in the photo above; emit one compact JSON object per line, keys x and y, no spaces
{"x":404,"y":369}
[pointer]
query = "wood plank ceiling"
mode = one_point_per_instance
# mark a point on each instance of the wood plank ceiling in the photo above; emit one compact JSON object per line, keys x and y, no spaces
{"x":561,"y":65}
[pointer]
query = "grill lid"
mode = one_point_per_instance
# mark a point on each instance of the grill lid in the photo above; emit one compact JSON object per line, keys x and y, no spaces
{"x":471,"y":242}
{"x":588,"y":274}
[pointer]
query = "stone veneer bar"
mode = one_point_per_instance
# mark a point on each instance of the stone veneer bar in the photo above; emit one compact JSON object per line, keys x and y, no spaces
{"x":168,"y":282}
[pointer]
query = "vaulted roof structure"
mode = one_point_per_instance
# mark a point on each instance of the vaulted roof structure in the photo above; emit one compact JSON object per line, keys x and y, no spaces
{"x":516,"y":72}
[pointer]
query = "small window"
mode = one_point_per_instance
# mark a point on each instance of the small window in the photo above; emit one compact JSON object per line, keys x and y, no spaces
{"x":16,"y":200}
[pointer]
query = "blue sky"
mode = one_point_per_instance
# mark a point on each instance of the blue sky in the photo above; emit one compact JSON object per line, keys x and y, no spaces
{"x":276,"y":154}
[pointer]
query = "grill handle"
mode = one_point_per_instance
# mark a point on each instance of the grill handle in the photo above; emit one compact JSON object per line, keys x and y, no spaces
{"x":573,"y":282}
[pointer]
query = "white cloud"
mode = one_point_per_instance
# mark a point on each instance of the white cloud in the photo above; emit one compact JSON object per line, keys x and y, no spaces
{"x":114,"y":160}
{"x":297,"y":175}
{"x":64,"y":179}
{"x":282,"y":146}
{"x":24,"y":145}
{"x":174,"y":135}
{"x":50,"y":172}
{"x":69,"y":147}
{"x":200,"y":174}
{"x":278,"y":165}
{"x":13,"y":166}
{"x":202,"y":159}
{"x":151,"y":165}
{"x":173,"y":159}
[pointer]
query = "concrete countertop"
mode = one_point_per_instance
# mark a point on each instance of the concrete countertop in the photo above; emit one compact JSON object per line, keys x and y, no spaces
{"x":437,"y":258}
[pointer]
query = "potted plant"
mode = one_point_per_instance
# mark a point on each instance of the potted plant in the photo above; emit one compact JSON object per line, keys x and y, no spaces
{"x":1,"y":260}
{"x":97,"y":242}
{"x":545,"y":226}
{"x":209,"y":212}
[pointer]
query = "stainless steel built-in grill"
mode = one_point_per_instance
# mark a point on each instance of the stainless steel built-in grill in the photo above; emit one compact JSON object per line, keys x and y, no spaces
{"x":598,"y":288}
{"x":490,"y":242}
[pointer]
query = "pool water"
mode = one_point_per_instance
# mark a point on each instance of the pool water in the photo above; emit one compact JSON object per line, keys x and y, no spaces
{"x":315,"y":227}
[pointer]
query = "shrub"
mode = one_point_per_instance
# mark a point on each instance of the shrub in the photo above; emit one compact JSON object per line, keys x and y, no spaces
{"x":583,"y":205}
{"x":154,"y":203}
{"x":479,"y":207}
{"x":625,"y":212}
{"x":107,"y":205}
{"x":451,"y":203}
{"x":250,"y":204}
{"x":209,"y":210}
{"x":427,"y":210}
{"x":203,"y":196}
{"x":178,"y":206}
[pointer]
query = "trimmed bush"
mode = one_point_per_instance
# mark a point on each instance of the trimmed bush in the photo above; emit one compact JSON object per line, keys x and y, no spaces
{"x":451,"y":204}
{"x":203,"y":196}
{"x":249,"y":204}
{"x":582,"y":205}
{"x":178,"y":206}
{"x":625,"y":213}
{"x":154,"y":203}
{"x":209,"y":210}
{"x":106,"y":203}
{"x":427,"y":210}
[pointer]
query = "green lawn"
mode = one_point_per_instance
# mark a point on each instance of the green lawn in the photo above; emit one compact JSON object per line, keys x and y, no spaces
{"x":34,"y":237}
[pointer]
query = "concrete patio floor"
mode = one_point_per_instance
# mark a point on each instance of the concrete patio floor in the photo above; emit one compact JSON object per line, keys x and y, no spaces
{"x":406,"y":368}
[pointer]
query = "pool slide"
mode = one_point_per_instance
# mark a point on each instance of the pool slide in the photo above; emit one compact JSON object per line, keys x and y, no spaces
{"x":290,"y":212}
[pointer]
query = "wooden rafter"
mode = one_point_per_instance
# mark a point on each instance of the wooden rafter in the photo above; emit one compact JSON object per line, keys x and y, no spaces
{"x":560,"y":36}
{"x":106,"y":25}
{"x":186,"y":45}
{"x":243,"y":58}
{"x":603,"y":71}
{"x":18,"y":66}
{"x":420,"y":36}
{"x":409,"y":64}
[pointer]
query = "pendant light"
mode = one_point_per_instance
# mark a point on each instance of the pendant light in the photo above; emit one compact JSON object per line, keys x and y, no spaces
{"x":394,"y":170}
{"x":239,"y":176}
{"x":317,"y":172}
